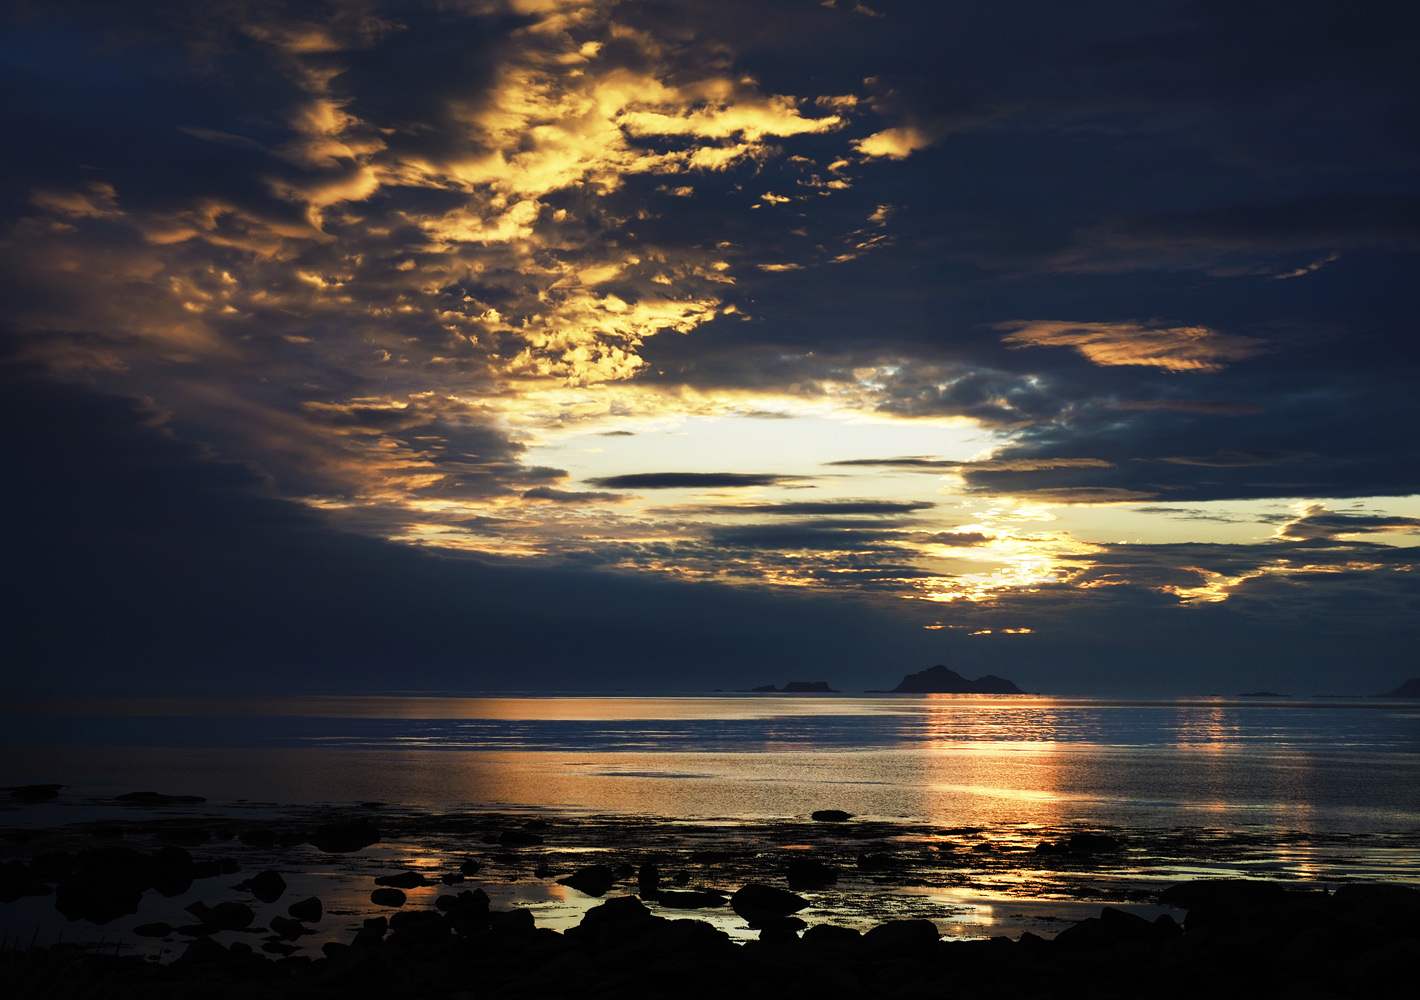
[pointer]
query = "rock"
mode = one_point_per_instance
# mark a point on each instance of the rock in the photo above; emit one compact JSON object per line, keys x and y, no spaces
{"x":1091,"y":843}
{"x":830,"y":816}
{"x":810,"y":873}
{"x":832,"y":934}
{"x":594,"y":880}
{"x":902,"y":939}
{"x":34,"y":793}
{"x":203,"y":951}
{"x":877,"y":862}
{"x":648,"y":880}
{"x":403,"y":880}
{"x":1128,"y":926}
{"x":99,"y":901}
{"x":467,"y":912}
{"x":758,"y":903}
{"x":689,"y":899}
{"x":613,"y":921}
{"x":310,"y":910}
{"x":227,"y":916}
{"x":159,"y":799}
{"x":940,"y":680}
{"x":345,"y":837}
{"x":781,"y":929}
{"x":415,"y":927}
{"x":516,"y":921}
{"x":287,"y":928}
{"x":372,"y":931}
{"x":157,"y":930}
{"x":518,"y":838}
{"x":545,"y":870}
{"x":266,"y":886}
{"x":1090,"y":934}
{"x":1226,"y":893}
{"x":471,"y":866}
{"x":388,"y":896}
{"x":18,"y":879}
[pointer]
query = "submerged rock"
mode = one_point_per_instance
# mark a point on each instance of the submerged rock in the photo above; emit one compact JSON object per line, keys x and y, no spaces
{"x":388,"y":896}
{"x":268,"y":886}
{"x":403,"y":880}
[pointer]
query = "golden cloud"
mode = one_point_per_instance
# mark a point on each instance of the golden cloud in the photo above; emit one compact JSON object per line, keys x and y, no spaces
{"x":1176,"y":349}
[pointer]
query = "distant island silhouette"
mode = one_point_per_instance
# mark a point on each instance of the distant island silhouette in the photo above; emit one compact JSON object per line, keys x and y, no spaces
{"x":1263,"y":694}
{"x":1409,"y":689}
{"x":796,"y":687}
{"x":943,"y":680}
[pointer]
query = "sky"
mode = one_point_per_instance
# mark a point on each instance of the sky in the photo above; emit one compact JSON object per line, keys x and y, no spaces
{"x":581,"y":345}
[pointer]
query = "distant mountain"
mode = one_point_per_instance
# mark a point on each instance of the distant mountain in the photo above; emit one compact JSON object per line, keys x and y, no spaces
{"x":1410,"y":689}
{"x":941,"y":680}
{"x":796,"y":687}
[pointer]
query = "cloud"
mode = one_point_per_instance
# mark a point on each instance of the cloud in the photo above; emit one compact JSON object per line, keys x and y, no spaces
{"x":893,"y":143}
{"x":689,"y":480}
{"x":565,"y":496}
{"x":820,"y":508}
{"x":913,"y":464}
{"x":1227,"y":458}
{"x":1175,"y":349}
{"x":1317,"y":522}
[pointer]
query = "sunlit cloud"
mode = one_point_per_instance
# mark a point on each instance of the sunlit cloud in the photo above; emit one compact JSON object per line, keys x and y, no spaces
{"x":1177,"y":349}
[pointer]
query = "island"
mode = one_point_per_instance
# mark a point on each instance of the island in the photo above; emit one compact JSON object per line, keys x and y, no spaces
{"x":943,"y":680}
{"x":1409,"y":689}
{"x":796,"y":687}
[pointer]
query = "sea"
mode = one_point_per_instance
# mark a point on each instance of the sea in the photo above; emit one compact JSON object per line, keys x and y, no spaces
{"x":955,"y":790}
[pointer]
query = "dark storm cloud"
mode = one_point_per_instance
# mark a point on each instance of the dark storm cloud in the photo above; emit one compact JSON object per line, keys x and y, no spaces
{"x":816,"y":507}
{"x":1320,"y":523}
{"x":566,"y":496}
{"x":689,"y":480}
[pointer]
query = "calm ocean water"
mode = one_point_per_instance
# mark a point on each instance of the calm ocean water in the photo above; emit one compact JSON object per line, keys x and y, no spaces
{"x":1318,"y":766}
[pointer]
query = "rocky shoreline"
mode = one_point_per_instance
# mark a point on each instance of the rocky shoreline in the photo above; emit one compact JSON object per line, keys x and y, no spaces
{"x":326,"y":903}
{"x":1240,"y":938}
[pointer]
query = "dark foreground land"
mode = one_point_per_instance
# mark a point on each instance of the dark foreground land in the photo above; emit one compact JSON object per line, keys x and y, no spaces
{"x":1240,"y":939}
{"x":407,"y":915}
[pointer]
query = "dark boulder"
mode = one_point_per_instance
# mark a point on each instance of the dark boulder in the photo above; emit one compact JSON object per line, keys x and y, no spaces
{"x":203,"y":951}
{"x":902,"y":939}
{"x":470,"y":866}
{"x":403,"y":880}
{"x":1091,"y":843}
{"x":310,"y":910}
{"x":614,"y":922}
{"x":288,"y":929}
{"x":832,"y":934}
{"x":781,"y":929}
{"x":18,"y":879}
{"x":758,"y":903}
{"x":227,"y":916}
{"x":830,"y":816}
{"x":467,"y":912}
{"x":648,"y":880}
{"x":517,"y":921}
{"x":345,"y":837}
{"x":99,"y":900}
{"x":416,"y":927}
{"x":594,"y":880}
{"x":387,"y":896}
{"x":810,"y":873}
{"x":1128,"y":926}
{"x":158,"y":930}
{"x":1223,"y":893}
{"x":267,"y":886}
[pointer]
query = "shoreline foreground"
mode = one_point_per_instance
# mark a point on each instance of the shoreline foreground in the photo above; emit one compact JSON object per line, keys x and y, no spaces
{"x":416,"y":905}
{"x":1241,"y":938}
